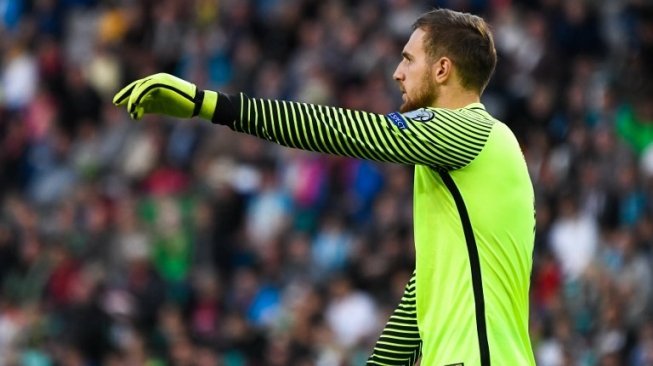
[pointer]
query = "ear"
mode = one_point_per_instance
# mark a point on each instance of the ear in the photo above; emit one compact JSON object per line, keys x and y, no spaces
{"x":442,"y":70}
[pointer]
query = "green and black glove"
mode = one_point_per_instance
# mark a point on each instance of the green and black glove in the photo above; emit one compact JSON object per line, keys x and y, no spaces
{"x":169,"y":95}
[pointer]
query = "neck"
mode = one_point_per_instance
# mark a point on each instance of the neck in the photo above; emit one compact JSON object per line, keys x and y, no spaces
{"x":456,"y":97}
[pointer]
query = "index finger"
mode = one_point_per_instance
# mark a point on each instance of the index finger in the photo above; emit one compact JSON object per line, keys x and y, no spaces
{"x":122,"y":96}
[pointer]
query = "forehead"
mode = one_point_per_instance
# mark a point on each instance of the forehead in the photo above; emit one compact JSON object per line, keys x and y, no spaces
{"x":415,"y":44}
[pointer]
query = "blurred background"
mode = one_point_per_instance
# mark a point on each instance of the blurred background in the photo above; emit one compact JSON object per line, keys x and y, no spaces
{"x":169,"y":242}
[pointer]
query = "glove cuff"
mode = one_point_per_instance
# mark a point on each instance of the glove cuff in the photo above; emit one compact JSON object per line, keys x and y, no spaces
{"x":198,"y":100}
{"x":206,"y":106}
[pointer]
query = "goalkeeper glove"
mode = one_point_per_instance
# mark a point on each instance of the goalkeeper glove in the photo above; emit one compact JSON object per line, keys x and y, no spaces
{"x":166,"y":94}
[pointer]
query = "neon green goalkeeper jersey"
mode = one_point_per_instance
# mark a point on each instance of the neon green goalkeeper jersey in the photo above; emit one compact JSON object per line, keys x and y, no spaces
{"x":473,"y":218}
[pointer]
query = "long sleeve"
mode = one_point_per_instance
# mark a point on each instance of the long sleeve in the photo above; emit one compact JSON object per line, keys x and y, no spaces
{"x":444,"y":138}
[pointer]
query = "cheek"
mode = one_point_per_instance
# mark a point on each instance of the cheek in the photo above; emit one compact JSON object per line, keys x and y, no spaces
{"x":413,"y":79}
{"x":415,"y":73}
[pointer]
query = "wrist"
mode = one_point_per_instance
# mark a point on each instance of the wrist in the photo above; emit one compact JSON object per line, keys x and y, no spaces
{"x":209,"y":103}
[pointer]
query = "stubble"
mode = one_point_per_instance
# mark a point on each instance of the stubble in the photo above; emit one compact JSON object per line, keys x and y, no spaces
{"x":425,"y":95}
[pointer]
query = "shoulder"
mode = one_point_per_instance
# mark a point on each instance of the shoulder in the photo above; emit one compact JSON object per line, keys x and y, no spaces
{"x":472,"y":114}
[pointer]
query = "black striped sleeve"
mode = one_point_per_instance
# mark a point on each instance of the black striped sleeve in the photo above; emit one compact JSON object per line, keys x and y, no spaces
{"x":445,"y":138}
{"x":399,"y":343}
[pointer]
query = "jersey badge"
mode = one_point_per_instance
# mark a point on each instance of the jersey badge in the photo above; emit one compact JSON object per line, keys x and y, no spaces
{"x":397,"y":119}
{"x":420,"y":115}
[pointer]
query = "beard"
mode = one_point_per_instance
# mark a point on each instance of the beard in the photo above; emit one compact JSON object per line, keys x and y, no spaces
{"x":425,"y":95}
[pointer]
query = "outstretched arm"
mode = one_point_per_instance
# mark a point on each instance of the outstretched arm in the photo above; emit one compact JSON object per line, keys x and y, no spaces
{"x":445,"y":138}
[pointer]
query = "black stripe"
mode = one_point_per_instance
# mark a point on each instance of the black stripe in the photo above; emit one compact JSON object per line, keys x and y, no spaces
{"x":475,"y":129}
{"x":392,"y":336}
{"x":246,"y":107}
{"x":409,"y":319}
{"x":125,"y":95}
{"x":272,"y":114}
{"x":247,"y":125}
{"x":198,"y":100}
{"x":431,"y":154}
{"x":396,"y":347}
{"x":302,"y":131}
{"x":454,"y":150}
{"x":333,"y":130}
{"x":164,"y":86}
{"x":460,"y":140}
{"x":362,"y":136}
{"x":372,"y":136}
{"x":325,"y":141}
{"x":474,"y":262}
{"x":130,"y":90}
{"x":408,"y":327}
{"x":276,"y":128}
{"x":425,"y":154}
{"x":400,"y":338}
{"x":288,"y":127}
{"x":381,"y":128}
{"x":401,"y":354}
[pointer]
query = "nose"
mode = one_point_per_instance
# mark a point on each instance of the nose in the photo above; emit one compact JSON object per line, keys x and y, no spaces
{"x":398,"y":75}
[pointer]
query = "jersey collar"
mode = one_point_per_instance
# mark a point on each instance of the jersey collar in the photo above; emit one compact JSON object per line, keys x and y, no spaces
{"x":469,"y":106}
{"x":475,"y":106}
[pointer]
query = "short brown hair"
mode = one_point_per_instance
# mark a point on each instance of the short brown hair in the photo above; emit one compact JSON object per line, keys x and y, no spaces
{"x":464,"y":38}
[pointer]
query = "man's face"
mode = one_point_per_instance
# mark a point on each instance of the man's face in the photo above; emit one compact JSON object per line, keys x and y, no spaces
{"x":414,"y":74}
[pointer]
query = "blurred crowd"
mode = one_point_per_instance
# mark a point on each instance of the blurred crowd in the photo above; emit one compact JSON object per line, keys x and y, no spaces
{"x":170,"y":242}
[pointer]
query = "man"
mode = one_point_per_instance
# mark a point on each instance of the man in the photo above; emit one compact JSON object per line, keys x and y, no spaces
{"x":467,"y":303}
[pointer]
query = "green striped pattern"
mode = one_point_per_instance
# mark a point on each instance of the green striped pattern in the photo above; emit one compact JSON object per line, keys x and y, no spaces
{"x":451,"y":140}
{"x":399,"y":344}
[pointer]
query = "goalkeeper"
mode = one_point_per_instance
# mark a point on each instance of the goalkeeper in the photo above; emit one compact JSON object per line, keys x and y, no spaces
{"x":467,"y":302}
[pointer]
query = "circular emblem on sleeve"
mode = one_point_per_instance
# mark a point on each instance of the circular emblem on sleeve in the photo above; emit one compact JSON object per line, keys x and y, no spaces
{"x":420,"y":115}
